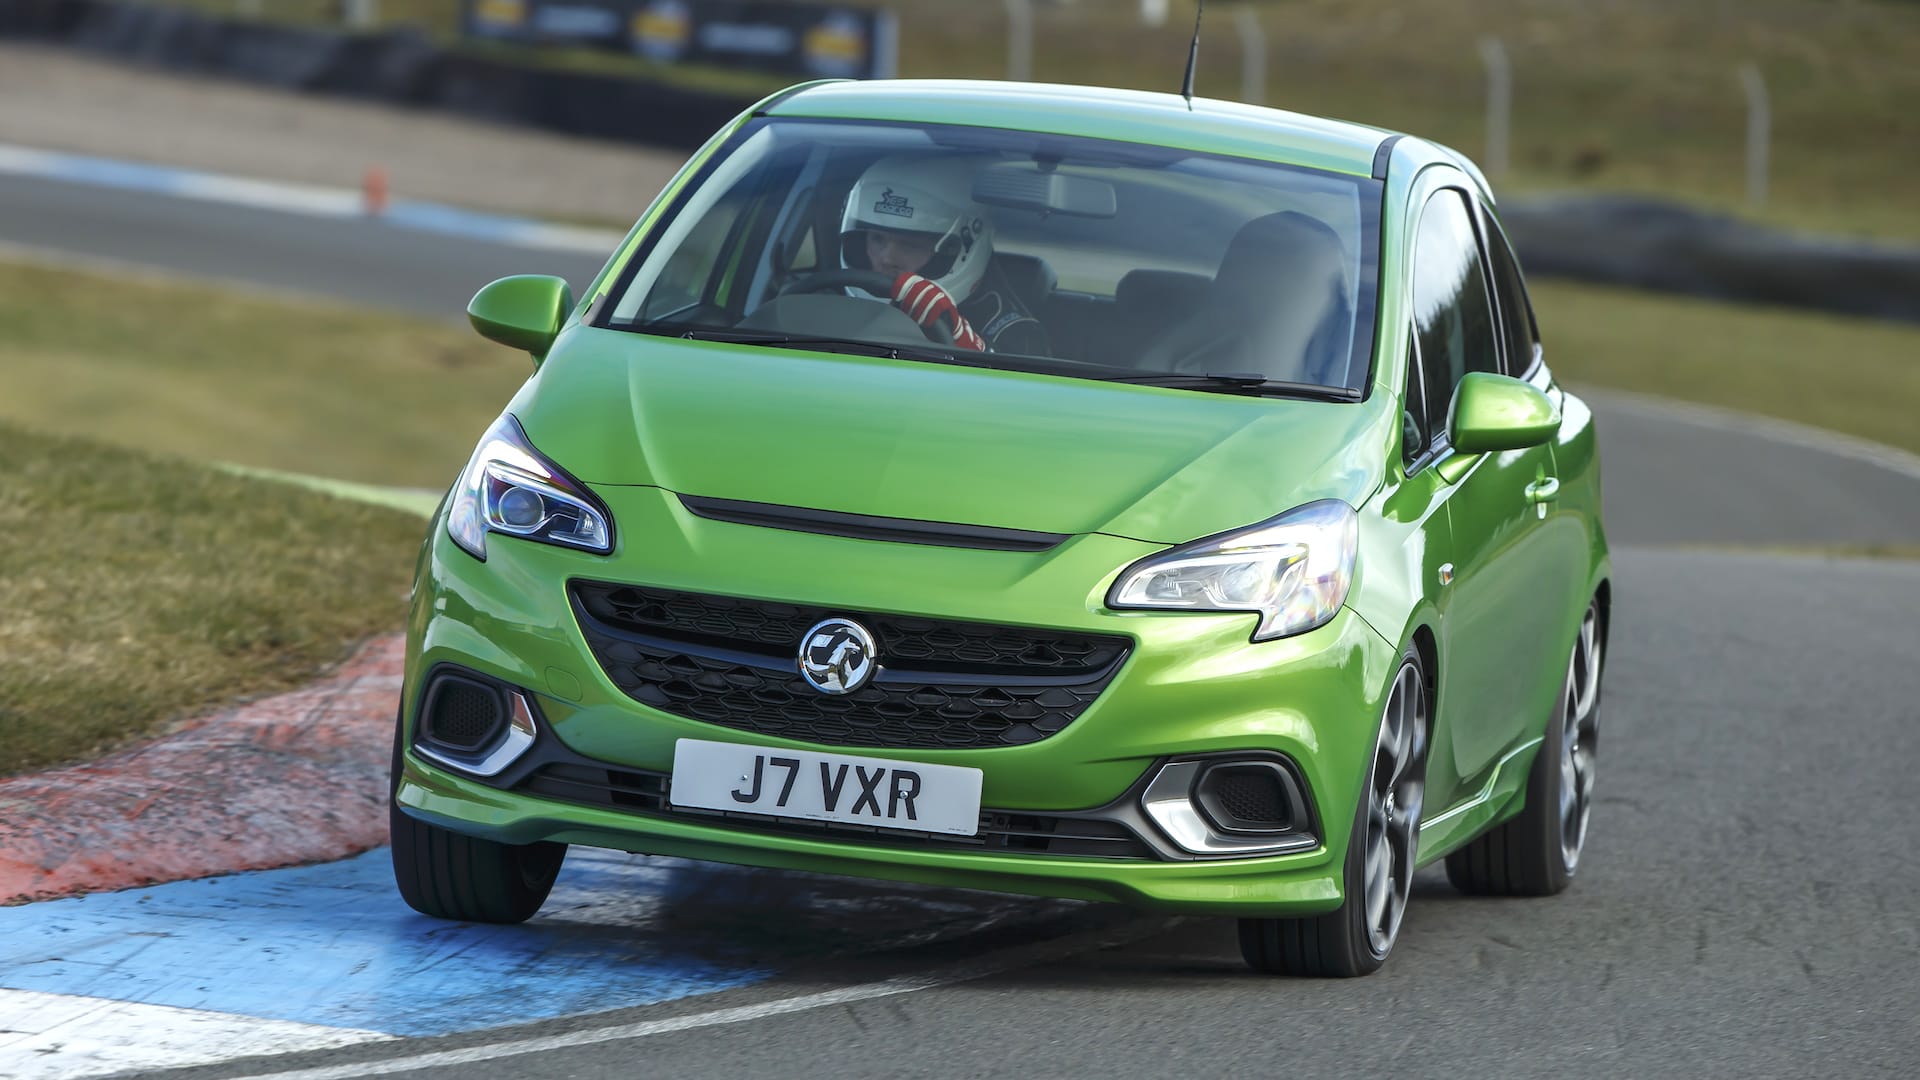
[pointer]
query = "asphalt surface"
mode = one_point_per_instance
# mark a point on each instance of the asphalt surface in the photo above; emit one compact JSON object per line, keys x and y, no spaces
{"x":1746,"y":907}
{"x":356,"y":260}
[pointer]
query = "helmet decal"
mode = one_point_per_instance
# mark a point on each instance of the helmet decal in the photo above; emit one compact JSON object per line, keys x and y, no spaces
{"x":896,"y":205}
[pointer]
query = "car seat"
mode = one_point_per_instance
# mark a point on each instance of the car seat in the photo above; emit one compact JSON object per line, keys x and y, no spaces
{"x":1277,"y":307}
{"x":1029,"y":276}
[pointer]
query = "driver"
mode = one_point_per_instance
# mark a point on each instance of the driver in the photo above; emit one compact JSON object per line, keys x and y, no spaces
{"x":915,"y":221}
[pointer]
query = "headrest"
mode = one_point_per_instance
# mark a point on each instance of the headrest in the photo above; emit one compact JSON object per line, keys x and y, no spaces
{"x":1169,"y":290}
{"x":1029,"y":275}
{"x":1279,"y":253}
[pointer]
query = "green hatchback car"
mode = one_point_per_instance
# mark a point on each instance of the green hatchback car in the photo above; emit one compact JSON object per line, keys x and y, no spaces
{"x":1043,"y":489}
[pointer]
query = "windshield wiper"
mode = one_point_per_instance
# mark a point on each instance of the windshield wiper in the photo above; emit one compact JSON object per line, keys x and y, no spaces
{"x":817,"y":344}
{"x":1240,"y":382}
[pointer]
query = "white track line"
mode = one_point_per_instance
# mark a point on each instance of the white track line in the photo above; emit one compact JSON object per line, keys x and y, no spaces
{"x":64,"y":1035}
{"x":307,"y":199}
{"x":991,"y":964}
{"x":1891,"y":458}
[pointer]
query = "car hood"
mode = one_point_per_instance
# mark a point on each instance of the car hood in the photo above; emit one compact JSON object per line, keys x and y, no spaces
{"x":938,"y":442}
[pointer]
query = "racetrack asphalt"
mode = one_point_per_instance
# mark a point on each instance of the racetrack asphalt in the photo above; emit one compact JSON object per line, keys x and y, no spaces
{"x":1746,"y":907}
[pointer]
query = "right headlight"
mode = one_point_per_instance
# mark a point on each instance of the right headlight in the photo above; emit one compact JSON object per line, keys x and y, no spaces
{"x":1293,"y":570}
{"x":508,"y":487}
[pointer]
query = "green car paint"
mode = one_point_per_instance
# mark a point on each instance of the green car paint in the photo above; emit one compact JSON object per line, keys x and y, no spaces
{"x":1481,"y":557}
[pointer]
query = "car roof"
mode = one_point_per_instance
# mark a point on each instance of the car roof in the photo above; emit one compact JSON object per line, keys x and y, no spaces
{"x":1208,"y":126}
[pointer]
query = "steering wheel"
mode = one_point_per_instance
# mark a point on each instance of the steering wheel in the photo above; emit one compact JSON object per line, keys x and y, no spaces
{"x":872,"y":281}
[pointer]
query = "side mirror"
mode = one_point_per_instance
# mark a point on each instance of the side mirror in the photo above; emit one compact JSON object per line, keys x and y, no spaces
{"x":1495,"y":412}
{"x":522,"y":312}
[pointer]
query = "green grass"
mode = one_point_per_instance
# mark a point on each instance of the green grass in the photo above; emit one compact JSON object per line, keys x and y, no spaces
{"x":140,"y":588}
{"x":199,"y":372}
{"x":1629,"y":95}
{"x":1855,"y":376}
{"x":141,"y":591}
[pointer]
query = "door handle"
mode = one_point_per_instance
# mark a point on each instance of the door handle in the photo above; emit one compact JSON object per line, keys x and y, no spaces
{"x":1543,"y":490}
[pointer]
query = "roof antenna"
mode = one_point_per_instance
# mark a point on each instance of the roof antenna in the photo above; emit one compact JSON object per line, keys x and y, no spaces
{"x":1193,"y":56}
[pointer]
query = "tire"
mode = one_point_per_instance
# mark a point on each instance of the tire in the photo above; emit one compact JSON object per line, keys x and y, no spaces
{"x":1356,"y":938}
{"x":449,"y":875}
{"x":1537,"y":852}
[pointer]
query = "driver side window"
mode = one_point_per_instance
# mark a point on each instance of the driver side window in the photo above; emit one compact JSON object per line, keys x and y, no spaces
{"x":1452,"y":310}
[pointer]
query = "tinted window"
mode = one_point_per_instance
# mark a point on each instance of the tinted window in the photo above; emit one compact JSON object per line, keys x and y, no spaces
{"x":1519,"y":331}
{"x":1453,"y":321}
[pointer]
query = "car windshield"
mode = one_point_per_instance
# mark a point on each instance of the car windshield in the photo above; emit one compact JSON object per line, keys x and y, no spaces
{"x":1063,"y":255}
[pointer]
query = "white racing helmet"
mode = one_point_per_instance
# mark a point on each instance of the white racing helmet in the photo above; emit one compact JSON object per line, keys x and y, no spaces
{"x":929,"y":195}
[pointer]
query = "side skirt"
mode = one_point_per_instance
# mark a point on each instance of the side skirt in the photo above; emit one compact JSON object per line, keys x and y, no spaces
{"x":1501,"y":797}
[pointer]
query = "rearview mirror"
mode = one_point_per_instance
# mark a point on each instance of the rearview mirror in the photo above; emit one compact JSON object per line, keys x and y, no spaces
{"x":1024,"y":186}
{"x":1495,"y":412}
{"x":522,"y":312}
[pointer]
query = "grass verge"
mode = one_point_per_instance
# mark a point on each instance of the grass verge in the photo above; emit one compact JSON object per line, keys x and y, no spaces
{"x":1855,"y":376}
{"x":194,"y":371}
{"x":141,"y":591}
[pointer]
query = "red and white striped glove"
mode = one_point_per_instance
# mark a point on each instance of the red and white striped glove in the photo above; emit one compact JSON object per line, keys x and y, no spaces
{"x":927,"y":303}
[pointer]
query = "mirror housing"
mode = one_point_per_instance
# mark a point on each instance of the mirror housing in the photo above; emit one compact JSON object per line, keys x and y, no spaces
{"x":522,"y":312}
{"x":1496,"y":412}
{"x":1024,"y":186}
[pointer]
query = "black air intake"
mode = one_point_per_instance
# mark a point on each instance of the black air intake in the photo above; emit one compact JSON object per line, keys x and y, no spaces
{"x":1247,"y":797}
{"x":462,"y":713}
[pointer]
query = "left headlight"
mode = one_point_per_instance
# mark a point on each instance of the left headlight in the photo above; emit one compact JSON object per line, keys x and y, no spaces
{"x":1293,"y":570}
{"x":508,"y":487}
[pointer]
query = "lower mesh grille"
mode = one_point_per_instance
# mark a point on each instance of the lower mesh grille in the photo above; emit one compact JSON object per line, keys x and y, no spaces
{"x":1000,"y":830}
{"x":463,"y":713}
{"x":1251,"y":796}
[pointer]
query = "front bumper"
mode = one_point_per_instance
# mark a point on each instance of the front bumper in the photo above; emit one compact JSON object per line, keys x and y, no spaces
{"x":1194,"y":685}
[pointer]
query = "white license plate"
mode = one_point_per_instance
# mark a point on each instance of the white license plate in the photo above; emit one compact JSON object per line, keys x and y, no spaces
{"x":826,"y":787}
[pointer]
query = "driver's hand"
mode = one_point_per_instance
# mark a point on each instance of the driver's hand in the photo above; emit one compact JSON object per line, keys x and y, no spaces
{"x":927,"y":303}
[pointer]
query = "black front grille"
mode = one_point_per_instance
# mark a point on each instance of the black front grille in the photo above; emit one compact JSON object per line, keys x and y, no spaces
{"x":647,"y":792}
{"x":940,"y":684}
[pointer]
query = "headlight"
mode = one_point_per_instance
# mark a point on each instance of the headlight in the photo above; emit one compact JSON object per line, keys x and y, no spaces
{"x":1293,"y":570}
{"x":507,"y":487}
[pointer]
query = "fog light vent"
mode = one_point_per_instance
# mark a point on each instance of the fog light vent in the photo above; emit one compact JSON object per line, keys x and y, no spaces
{"x":1246,"y":797}
{"x":464,"y":714}
{"x":1251,"y":796}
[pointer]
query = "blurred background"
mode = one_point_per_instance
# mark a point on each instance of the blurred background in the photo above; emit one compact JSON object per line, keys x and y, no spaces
{"x":236,"y":238}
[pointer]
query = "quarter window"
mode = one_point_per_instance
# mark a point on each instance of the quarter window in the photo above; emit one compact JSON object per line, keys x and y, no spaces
{"x":1414,"y":438}
{"x":1453,"y":319}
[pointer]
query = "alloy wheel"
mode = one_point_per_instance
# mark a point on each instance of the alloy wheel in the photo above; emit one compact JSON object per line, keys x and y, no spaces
{"x":1579,"y":740}
{"x":1396,"y":790}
